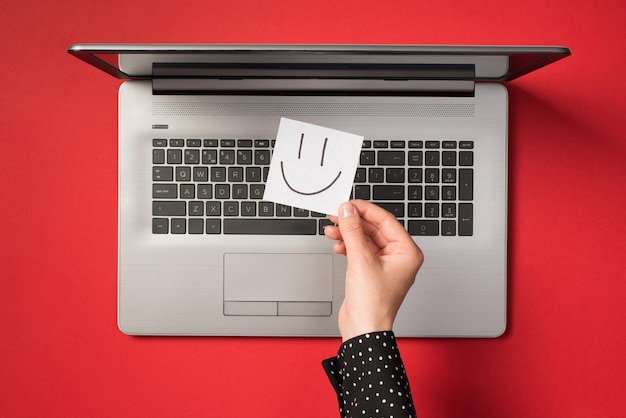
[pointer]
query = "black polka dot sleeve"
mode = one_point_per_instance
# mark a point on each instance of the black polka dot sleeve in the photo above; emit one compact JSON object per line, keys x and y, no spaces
{"x":369,"y":378}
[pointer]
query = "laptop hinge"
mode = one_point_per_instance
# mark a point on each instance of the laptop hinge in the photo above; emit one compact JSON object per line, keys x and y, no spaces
{"x":388,"y":80}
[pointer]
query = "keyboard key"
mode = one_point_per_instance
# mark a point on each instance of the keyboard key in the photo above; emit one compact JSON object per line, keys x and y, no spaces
{"x":213,"y":226}
{"x":376,"y":175}
{"x":196,"y":208}
{"x":381,"y":144}
{"x":205,"y":191}
{"x":158,"y":156}
{"x":174,"y":156}
{"x":368,"y":158}
{"x":227,"y":156}
{"x":448,"y":210}
{"x":192,"y":156}
{"x":391,"y":157}
{"x":424,"y":227}
{"x":222,"y":191}
{"x":253,"y":174}
{"x":200,"y":173}
{"x":244,"y":157}
{"x":183,"y":173}
{"x":231,"y":208}
{"x":466,"y":219}
{"x":415,"y":175}
{"x":283,"y":210}
{"x":196,"y":226}
{"x":432,"y":175}
{"x":415,"y":210}
{"x":270,"y":226}
{"x":416,"y":158}
{"x":266,"y":209}
{"x":448,"y":228}
{"x":162,"y":173}
{"x":466,"y":158}
{"x":388,"y":192}
{"x":466,"y":144}
{"x":360,"y":176}
{"x":448,"y":193}
{"x":187,"y":191}
{"x":431,"y":193}
{"x":395,"y":175}
{"x":179,"y":226}
{"x":362,"y":192}
{"x":431,"y":210}
{"x":248,"y":208}
{"x":261,"y":157}
{"x":448,"y":158}
{"x":300,"y":213}
{"x":209,"y":156}
{"x":466,"y":184}
{"x":160,"y":226}
{"x":218,"y":174}
{"x":164,"y":191}
{"x":240,"y":191}
{"x":448,"y":175}
{"x":235,"y":174}
{"x":169,"y":208}
{"x":415,"y":193}
{"x":432,"y":158}
{"x":213,"y":208}
{"x":257,"y":191}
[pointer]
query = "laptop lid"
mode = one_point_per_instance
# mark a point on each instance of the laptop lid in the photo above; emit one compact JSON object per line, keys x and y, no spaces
{"x":315,"y":69}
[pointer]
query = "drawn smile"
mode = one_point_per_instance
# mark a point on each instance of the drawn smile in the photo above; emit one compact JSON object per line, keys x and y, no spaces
{"x":282,"y":169}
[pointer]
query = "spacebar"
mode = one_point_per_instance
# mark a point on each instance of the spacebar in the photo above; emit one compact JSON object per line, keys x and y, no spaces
{"x":270,"y":226}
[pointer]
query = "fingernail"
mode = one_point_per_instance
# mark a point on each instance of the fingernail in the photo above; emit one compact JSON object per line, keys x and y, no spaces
{"x":347,"y":210}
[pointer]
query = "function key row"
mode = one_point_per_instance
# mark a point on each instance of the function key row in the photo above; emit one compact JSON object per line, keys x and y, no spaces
{"x":418,"y":144}
{"x":213,"y":143}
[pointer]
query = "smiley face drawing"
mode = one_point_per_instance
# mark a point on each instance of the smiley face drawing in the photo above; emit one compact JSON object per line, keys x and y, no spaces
{"x":309,"y":193}
{"x":312,"y":167}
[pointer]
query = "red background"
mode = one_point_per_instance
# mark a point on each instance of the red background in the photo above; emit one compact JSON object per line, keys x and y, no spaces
{"x":61,"y":353}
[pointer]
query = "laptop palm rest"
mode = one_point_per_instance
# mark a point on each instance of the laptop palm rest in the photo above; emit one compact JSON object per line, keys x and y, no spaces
{"x":278,"y":284}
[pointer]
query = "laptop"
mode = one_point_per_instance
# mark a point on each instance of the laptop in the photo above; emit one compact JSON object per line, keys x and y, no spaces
{"x":202,"y":253}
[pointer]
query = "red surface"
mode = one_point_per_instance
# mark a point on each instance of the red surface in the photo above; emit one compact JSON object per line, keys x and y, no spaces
{"x":60,"y":351}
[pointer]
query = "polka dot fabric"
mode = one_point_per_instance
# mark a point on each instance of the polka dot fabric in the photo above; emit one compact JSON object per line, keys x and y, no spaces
{"x":369,"y":378}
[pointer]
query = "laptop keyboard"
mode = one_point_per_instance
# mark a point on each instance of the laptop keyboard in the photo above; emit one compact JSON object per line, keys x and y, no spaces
{"x":216,"y":186}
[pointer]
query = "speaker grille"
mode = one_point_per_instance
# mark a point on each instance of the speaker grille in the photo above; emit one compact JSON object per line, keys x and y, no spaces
{"x":419,"y":110}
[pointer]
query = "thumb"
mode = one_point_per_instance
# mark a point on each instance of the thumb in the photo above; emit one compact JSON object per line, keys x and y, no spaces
{"x":354,"y":238}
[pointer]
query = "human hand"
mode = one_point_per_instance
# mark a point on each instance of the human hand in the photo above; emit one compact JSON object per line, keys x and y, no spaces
{"x":382,"y":263}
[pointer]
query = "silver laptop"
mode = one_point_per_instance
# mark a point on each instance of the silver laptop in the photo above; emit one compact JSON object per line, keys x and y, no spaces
{"x":201,"y":252}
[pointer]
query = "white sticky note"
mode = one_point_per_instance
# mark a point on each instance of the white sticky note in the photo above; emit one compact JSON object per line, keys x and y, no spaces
{"x":312,"y":167}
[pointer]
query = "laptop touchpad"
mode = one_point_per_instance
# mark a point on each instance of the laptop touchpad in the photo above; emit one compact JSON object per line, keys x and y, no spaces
{"x":278,"y":284}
